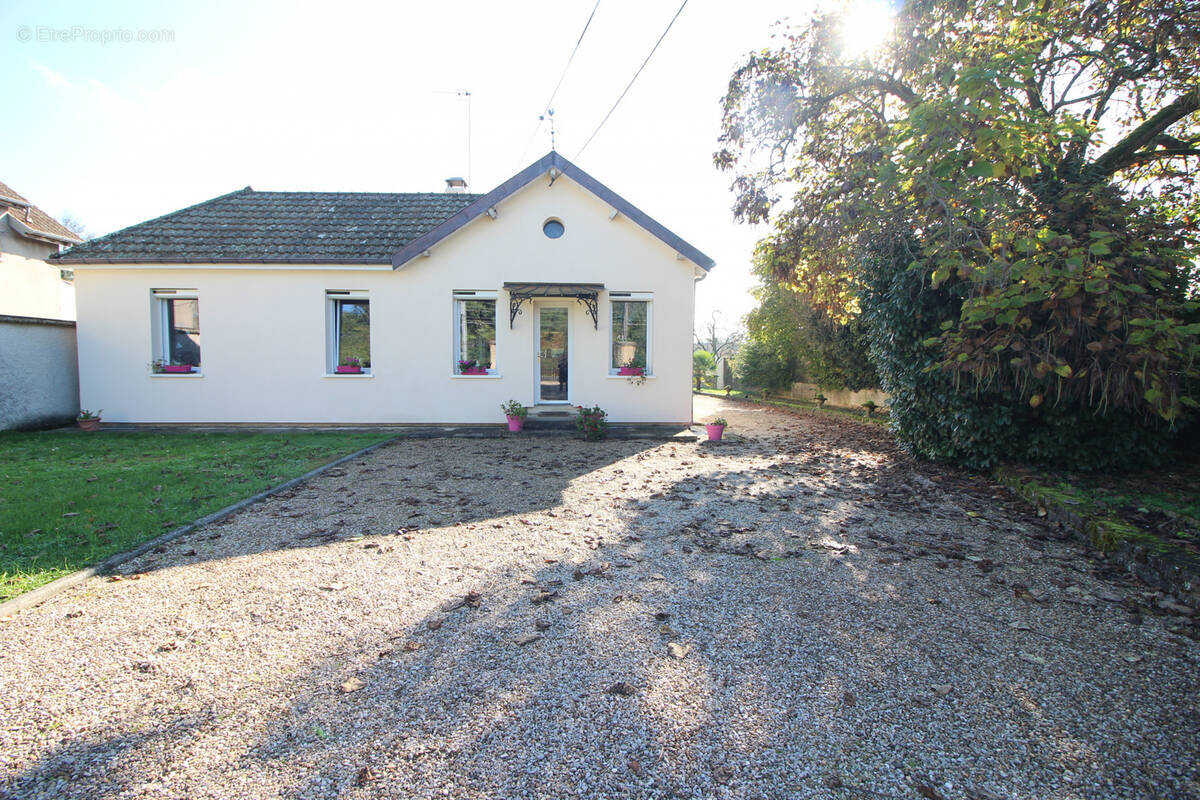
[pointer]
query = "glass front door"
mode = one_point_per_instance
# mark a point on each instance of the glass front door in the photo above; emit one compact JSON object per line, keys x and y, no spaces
{"x":552,"y":355}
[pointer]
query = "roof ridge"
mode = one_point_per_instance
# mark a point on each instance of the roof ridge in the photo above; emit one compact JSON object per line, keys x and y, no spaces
{"x":161,"y":217}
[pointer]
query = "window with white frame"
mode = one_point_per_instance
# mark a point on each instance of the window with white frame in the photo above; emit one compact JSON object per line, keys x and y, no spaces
{"x":347,"y":332}
{"x":630,"y":327}
{"x":474,"y":332}
{"x":176,"y":329}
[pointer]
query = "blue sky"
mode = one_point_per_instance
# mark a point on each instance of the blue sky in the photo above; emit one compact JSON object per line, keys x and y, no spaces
{"x":349,"y":96}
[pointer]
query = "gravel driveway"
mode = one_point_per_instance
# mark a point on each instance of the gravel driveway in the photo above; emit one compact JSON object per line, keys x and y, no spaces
{"x":805,"y":612}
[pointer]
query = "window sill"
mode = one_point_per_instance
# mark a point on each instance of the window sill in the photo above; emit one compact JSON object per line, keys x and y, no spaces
{"x":174,"y":375}
{"x":457,"y":376}
{"x":614,"y":376}
{"x":350,"y":375}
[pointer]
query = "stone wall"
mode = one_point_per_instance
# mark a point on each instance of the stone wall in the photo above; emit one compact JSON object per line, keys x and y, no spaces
{"x":839,"y":398}
{"x":39,"y":373}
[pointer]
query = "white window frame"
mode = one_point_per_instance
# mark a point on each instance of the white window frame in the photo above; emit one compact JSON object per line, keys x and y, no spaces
{"x":332,"y":297}
{"x":161,"y":329}
{"x":632,"y":297}
{"x":457,"y":297}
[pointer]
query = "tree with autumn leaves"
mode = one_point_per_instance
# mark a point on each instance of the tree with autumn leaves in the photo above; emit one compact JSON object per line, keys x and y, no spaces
{"x":1021,"y":177}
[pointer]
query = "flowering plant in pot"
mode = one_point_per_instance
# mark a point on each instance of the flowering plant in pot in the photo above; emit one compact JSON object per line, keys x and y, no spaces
{"x":89,"y":420}
{"x":162,"y":366}
{"x":592,"y":421}
{"x":716,"y":429}
{"x":516,"y":414}
{"x":870,"y":406}
{"x":469,"y":366}
{"x":820,"y":399}
{"x":633,"y":366}
{"x":350,"y":365}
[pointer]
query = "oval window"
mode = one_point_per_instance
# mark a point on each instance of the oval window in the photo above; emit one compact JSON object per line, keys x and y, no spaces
{"x":553,"y":228}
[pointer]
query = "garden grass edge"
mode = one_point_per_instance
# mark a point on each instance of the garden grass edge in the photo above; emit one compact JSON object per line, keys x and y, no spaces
{"x":35,"y":597}
{"x":1155,"y":562}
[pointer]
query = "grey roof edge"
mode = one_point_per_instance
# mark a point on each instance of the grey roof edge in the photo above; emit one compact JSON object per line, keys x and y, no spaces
{"x":523,"y":179}
{"x":65,"y":256}
{"x":227,"y":260}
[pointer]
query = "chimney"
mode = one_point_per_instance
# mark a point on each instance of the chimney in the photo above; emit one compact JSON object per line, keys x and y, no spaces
{"x":456,"y":186}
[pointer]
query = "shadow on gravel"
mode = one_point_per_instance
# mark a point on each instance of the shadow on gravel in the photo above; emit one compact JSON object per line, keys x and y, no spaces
{"x":510,"y":476}
{"x":828,"y":635}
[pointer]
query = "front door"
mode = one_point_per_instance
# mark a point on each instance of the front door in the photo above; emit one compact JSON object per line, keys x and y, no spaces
{"x":553,"y":354}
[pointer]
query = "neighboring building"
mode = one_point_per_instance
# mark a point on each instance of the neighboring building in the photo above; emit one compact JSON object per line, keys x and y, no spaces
{"x":31,"y":286}
{"x":550,"y":283}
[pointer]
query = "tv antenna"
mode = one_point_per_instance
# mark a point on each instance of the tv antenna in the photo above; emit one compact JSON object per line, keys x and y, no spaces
{"x":467,"y":94}
{"x":549,"y":113}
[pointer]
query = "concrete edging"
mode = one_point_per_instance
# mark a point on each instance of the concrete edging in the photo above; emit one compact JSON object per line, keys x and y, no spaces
{"x":1170,"y":571}
{"x":37,"y":596}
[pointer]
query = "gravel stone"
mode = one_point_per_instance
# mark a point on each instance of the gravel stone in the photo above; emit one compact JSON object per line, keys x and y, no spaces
{"x":856,"y":624}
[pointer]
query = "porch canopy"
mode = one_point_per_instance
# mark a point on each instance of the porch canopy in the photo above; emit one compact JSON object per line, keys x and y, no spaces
{"x":586,"y":293}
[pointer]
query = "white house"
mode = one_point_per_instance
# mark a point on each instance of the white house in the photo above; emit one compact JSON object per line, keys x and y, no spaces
{"x":550,"y":284}
{"x":31,"y":286}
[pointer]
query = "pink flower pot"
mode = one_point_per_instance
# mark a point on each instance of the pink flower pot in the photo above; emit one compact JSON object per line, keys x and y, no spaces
{"x":715,"y":432}
{"x":474,"y":371}
{"x":515,"y":424}
{"x":349,"y":370}
{"x":177,"y":368}
{"x":631,"y":371}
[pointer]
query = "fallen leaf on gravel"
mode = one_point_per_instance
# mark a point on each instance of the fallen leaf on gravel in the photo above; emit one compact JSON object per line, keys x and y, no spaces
{"x":662,"y":616}
{"x":622,"y":688}
{"x":635,"y":767}
{"x":543,"y":597}
{"x":942,"y":689}
{"x":1032,"y":659}
{"x":542,"y":624}
{"x":849,"y":699}
{"x":74,"y":614}
{"x":925,"y":790}
{"x":657,"y":577}
{"x":365,"y":776}
{"x":352,"y":685}
{"x":679,"y":650}
{"x":433,"y":624}
{"x":202,"y":586}
{"x":723,"y":773}
{"x":333,"y":587}
{"x":412,"y":645}
{"x":528,"y":639}
{"x":1169,"y":604}
{"x":1132,"y":658}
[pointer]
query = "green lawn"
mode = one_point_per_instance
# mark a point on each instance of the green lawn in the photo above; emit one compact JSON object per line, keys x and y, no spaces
{"x":69,"y":500}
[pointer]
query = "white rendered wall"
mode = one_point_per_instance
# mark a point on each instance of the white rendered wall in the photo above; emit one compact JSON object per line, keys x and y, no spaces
{"x":39,"y":386}
{"x":263,"y":328}
{"x":29,"y":285}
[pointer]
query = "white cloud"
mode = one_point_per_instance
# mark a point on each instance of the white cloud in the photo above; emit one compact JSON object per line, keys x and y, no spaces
{"x":55,"y":79}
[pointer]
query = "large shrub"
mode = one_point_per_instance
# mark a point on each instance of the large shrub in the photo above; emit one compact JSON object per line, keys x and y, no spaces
{"x":937,"y":415}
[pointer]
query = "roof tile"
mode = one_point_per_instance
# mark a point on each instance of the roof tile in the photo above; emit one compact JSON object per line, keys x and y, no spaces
{"x":297,"y":227}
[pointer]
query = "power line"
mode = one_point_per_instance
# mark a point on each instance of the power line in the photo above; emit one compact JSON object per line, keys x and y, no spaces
{"x":631,"y":81}
{"x":557,"y":86}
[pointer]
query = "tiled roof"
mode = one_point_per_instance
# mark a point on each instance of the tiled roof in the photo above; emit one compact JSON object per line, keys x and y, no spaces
{"x":31,"y":215}
{"x":292,"y":227}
